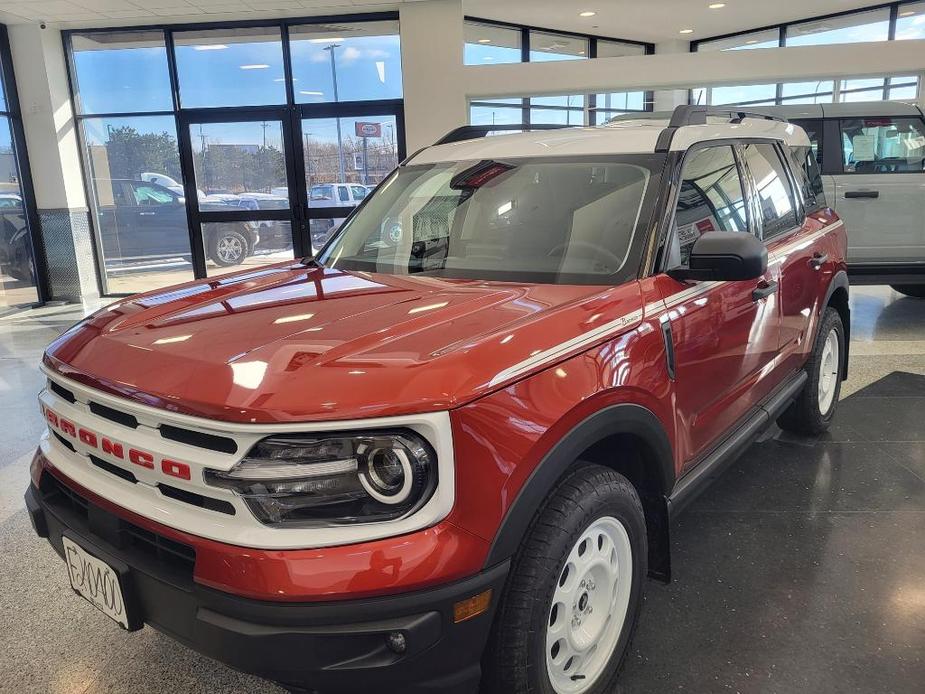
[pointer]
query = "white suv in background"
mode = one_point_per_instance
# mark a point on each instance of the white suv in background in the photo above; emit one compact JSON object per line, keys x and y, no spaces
{"x":872,"y":162}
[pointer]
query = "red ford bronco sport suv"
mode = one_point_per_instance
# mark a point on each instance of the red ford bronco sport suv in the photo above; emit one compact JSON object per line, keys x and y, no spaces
{"x":445,"y":452}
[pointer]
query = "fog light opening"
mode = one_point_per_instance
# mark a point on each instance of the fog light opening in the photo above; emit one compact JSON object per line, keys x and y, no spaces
{"x":396,"y":642}
{"x":471,"y":607}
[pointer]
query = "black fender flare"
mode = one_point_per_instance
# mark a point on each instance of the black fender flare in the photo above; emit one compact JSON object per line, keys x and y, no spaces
{"x":622,"y":418}
{"x":840,"y":281}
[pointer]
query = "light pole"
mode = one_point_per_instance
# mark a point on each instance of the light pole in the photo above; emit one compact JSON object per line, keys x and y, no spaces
{"x":340,"y":147}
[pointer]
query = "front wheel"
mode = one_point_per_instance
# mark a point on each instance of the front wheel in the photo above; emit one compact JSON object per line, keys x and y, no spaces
{"x":227,"y":247}
{"x":916,"y":291}
{"x":812,"y":411}
{"x":571,"y":603}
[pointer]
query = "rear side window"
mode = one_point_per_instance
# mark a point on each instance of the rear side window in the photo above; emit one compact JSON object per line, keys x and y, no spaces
{"x":883,"y":145}
{"x":711,"y":199}
{"x":775,"y":197}
{"x":343,"y":193}
{"x":813,"y":130}
{"x":809,"y":179}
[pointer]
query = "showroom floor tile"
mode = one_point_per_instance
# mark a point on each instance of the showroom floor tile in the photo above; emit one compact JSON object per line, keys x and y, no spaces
{"x":799,"y":570}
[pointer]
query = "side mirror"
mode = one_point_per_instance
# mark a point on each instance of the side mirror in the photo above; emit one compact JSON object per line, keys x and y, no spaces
{"x":724,"y":255}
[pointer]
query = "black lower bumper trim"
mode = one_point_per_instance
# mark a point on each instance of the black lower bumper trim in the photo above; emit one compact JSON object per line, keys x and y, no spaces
{"x":331,"y":647}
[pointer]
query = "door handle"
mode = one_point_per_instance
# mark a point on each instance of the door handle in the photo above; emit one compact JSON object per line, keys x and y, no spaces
{"x":862,"y":194}
{"x":764,"y":290}
{"x":819,"y":259}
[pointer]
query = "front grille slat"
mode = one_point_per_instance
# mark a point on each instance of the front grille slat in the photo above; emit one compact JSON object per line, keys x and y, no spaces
{"x":123,"y":418}
{"x":213,"y":442}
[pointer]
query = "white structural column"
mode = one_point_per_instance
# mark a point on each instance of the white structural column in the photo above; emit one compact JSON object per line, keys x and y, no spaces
{"x":667,"y":99}
{"x":54,"y":156}
{"x":432,"y":70}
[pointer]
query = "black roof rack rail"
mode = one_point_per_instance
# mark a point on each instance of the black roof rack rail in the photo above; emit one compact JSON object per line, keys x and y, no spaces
{"x":474,"y":132}
{"x":697,"y":115}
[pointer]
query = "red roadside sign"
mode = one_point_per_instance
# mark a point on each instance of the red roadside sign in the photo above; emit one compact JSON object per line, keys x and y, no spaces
{"x":368,"y":129}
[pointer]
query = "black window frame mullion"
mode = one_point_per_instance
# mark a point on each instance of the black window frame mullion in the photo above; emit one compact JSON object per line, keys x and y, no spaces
{"x":13,"y":114}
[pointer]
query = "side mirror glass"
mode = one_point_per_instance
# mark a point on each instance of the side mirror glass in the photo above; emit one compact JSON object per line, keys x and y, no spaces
{"x":724,"y":256}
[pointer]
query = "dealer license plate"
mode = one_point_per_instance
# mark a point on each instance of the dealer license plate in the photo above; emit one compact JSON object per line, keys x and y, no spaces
{"x":95,"y":580}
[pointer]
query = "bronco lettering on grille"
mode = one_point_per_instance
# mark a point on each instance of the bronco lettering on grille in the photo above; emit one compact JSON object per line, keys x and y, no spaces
{"x":114,"y":449}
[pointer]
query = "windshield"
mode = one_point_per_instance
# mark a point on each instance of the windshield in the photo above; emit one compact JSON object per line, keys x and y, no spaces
{"x":552,"y":220}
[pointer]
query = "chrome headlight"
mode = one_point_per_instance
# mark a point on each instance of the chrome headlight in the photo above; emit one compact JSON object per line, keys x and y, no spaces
{"x":333,"y":479}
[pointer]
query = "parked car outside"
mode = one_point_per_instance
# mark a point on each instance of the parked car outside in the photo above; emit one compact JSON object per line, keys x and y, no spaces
{"x":140,"y":221}
{"x":323,"y":195}
{"x":444,"y":454}
{"x":15,"y":244}
{"x":274,"y":234}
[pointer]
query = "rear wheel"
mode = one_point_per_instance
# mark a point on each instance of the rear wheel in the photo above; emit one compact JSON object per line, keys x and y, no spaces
{"x":812,"y":411}
{"x":571,"y":604}
{"x":914,"y":290}
{"x":227,"y":247}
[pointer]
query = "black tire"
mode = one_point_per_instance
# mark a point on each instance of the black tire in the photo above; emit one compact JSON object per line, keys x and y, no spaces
{"x":227,"y":247}
{"x":515,"y":660}
{"x":917,"y":291}
{"x":804,"y":416}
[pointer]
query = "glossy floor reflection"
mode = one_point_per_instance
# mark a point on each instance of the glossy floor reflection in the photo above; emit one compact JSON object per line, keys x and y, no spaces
{"x":801,"y":570}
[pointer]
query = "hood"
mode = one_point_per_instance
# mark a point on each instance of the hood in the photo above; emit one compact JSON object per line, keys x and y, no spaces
{"x":298,"y":343}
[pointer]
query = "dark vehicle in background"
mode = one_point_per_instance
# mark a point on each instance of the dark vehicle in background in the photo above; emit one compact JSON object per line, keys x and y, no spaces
{"x":274,"y":234}
{"x":15,"y":253}
{"x":141,"y":221}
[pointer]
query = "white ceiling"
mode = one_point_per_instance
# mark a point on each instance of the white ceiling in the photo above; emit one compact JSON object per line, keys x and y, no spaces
{"x":644,"y":20}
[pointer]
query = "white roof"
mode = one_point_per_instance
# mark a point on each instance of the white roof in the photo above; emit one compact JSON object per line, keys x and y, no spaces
{"x":636,"y":136}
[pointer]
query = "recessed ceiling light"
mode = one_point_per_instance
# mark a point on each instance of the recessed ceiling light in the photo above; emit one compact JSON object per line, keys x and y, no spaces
{"x":686,"y":31}
{"x":311,"y":93}
{"x":587,"y":13}
{"x":257,"y":66}
{"x":717,"y":5}
{"x":484,"y":40}
{"x":751,"y":41}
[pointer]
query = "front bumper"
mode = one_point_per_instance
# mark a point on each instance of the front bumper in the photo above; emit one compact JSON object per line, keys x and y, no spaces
{"x":322,"y":647}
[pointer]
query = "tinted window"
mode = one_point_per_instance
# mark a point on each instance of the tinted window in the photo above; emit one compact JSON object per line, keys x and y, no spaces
{"x":552,"y":220}
{"x":152,"y":195}
{"x":809,"y":178}
{"x":546,"y":46}
{"x":343,"y":194}
{"x":774,"y":194}
{"x":359,"y":192}
{"x":711,"y":199}
{"x":813,"y":130}
{"x":883,"y":145}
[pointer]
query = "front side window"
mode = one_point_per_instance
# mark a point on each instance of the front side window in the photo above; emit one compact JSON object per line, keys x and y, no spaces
{"x":549,"y":220}
{"x":883,"y":145}
{"x":359,"y":192}
{"x":775,"y":197}
{"x":343,"y":194}
{"x":711,"y":199}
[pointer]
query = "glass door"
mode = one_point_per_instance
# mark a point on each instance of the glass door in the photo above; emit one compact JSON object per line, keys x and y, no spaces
{"x":239,"y":200}
{"x":344,"y":153}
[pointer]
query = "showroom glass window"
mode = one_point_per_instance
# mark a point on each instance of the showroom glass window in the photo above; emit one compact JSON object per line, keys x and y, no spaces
{"x":910,"y":21}
{"x":230,"y":67}
{"x":853,"y":28}
{"x":17,"y":267}
{"x":132,"y":161}
{"x":769,"y":38}
{"x":546,"y":46}
{"x":363,"y":59}
{"x":490,"y":44}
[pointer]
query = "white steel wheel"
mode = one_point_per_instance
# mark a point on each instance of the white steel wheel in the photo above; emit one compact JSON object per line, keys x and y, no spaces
{"x":829,"y":371}
{"x":589,"y":606}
